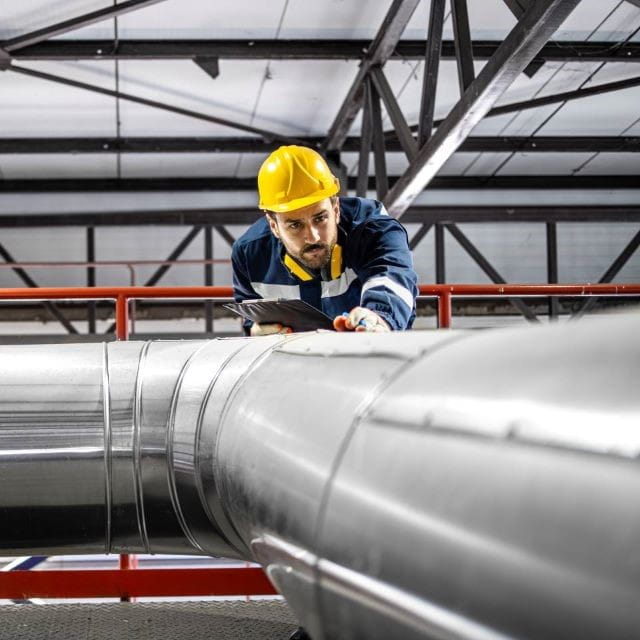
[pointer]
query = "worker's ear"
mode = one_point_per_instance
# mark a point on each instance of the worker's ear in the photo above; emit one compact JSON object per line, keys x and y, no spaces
{"x":273,"y":225}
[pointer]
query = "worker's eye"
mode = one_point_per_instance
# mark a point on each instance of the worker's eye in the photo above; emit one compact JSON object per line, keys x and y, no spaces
{"x":321,"y":219}
{"x":294,"y":226}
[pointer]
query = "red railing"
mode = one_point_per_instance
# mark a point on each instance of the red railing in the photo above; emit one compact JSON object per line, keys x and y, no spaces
{"x":127,"y":581}
{"x":443,"y":292}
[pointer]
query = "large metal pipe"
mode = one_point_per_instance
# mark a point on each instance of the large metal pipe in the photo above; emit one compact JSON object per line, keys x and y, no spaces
{"x":414,"y":485}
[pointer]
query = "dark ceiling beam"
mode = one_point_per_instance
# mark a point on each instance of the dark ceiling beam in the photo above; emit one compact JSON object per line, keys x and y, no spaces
{"x":522,"y":44}
{"x":33,"y":37}
{"x":269,"y":135}
{"x":500,"y":182}
{"x":377,"y":54}
{"x":475,"y":144}
{"x":556,"y":50}
{"x":242,"y":216}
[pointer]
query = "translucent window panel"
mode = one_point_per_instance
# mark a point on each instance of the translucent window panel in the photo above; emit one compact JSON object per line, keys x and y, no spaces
{"x":45,"y":245}
{"x":516,"y":251}
{"x":35,"y":107}
{"x":57,"y":166}
{"x":177,"y":165}
{"x":586,"y":251}
{"x":23,"y":17}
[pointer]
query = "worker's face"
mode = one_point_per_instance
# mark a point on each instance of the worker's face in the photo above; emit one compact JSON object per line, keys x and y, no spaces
{"x":308,"y":234}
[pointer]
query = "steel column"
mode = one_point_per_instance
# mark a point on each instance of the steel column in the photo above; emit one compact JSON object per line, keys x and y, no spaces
{"x":440,"y":254}
{"x":208,"y":276}
{"x":91,"y":278}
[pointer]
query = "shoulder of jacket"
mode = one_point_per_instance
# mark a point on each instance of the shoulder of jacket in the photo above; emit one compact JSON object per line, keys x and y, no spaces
{"x":257,"y":235}
{"x":360,"y":210}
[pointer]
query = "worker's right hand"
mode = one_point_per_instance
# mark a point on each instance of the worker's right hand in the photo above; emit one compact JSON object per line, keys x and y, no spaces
{"x":268,"y":329}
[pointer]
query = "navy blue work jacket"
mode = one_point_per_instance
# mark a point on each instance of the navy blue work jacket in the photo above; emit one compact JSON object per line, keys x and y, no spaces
{"x":377,"y":267}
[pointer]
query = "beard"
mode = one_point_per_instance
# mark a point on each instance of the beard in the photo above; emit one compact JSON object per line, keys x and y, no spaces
{"x":316,"y":256}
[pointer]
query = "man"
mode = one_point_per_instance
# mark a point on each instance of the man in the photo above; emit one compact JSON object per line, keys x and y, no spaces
{"x":344,"y":256}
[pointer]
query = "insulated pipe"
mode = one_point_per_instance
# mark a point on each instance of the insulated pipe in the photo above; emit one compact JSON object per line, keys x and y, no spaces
{"x":406,"y":485}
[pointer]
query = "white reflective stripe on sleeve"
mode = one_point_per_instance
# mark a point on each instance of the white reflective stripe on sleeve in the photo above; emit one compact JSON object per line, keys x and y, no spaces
{"x":384,"y":281}
{"x":340,"y":285}
{"x":288,"y":291}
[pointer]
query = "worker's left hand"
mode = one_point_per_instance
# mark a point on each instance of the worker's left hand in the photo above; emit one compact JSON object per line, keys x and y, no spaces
{"x":360,"y":319}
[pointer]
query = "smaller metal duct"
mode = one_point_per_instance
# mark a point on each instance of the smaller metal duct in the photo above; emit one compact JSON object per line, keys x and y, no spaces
{"x":414,"y":485}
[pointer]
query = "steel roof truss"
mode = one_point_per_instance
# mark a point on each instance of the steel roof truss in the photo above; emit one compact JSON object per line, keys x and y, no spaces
{"x":522,"y":44}
{"x":378,"y":53}
{"x":431,"y":69}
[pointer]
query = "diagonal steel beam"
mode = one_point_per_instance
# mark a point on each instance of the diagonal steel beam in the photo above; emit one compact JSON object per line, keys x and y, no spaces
{"x":45,"y":33}
{"x":225,"y":234}
{"x":30,"y":282}
{"x":366,"y":138}
{"x":400,"y":125}
{"x":379,"y":159}
{"x":379,"y":52}
{"x":269,"y":135}
{"x":419,"y":235}
{"x":431,"y":69}
{"x":174,"y":255}
{"x":521,"y":45}
{"x":488,"y":269}
{"x":464,"y":48}
{"x":611,"y":272}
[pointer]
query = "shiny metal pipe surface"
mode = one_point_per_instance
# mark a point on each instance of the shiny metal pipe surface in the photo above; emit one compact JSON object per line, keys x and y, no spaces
{"x":414,"y":485}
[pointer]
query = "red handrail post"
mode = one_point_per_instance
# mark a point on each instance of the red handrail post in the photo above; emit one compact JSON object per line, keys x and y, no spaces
{"x":444,"y":309}
{"x":122,"y":333}
{"x":122,"y":317}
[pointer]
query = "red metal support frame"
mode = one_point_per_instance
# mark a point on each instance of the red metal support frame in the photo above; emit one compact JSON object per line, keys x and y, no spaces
{"x":444,"y":310}
{"x":130,"y":583}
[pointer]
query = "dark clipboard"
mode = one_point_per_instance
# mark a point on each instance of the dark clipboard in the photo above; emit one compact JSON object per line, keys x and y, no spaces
{"x":297,"y":314}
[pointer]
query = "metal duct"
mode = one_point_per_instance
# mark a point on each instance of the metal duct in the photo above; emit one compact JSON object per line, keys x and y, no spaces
{"x":412,"y":485}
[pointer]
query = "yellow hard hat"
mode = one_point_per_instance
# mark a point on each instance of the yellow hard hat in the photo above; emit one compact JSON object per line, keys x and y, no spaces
{"x":293,"y":177}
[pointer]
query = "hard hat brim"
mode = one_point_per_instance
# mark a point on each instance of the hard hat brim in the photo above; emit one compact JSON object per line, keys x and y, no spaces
{"x":299,"y":203}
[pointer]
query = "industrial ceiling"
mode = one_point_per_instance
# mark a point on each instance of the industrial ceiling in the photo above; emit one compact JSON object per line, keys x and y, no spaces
{"x":149,"y":112}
